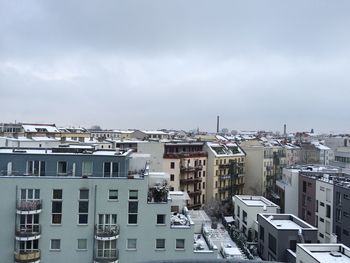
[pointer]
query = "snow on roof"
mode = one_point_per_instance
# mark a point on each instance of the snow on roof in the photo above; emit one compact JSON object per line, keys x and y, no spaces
{"x":320,"y":146}
{"x":39,"y":128}
{"x":155,"y":132}
{"x":225,"y":149}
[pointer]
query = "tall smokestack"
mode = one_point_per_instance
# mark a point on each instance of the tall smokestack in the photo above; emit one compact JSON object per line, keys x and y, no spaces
{"x":217,"y":124}
{"x":285,"y":130}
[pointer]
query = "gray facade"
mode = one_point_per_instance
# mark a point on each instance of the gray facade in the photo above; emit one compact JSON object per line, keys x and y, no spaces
{"x":341,"y":212}
{"x":280,"y":232}
{"x":54,"y":218}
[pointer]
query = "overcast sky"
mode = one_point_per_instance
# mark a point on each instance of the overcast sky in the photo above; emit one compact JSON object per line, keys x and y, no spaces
{"x":177,"y":64}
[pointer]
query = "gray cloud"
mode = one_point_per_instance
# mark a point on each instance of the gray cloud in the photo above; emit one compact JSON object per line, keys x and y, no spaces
{"x":176,"y":64}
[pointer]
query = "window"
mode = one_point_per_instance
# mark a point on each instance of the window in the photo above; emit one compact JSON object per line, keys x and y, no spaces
{"x":203,"y":173}
{"x":172,"y":165}
{"x":160,"y":219}
{"x":160,"y":243}
{"x":133,"y":194}
{"x":203,"y":162}
{"x":328,"y":227}
{"x":110,"y":169}
{"x":62,"y":168}
{"x":238,"y":211}
{"x":56,"y":206}
{"x":338,"y":215}
{"x":321,"y":219}
{"x":82,"y":244}
{"x":322,"y":204}
{"x":131,"y":244}
{"x":328,"y":211}
{"x":83,"y":206}
{"x":87,"y":168}
{"x":338,"y":198}
{"x":55,"y":244}
{"x":106,"y":249}
{"x":113,"y":194}
{"x":180,"y":244}
{"x":293,"y":245}
{"x":133,"y":207}
{"x":35,"y":168}
{"x":262,"y":233}
{"x":304,"y":187}
{"x":172,"y":177}
{"x":272,"y":243}
{"x":244,"y":217}
{"x":203,"y":185}
{"x":328,"y":195}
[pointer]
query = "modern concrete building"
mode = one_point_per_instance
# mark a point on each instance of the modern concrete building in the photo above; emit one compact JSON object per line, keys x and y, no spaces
{"x":287,"y":190}
{"x":246,"y":210}
{"x":87,"y":206}
{"x":280,"y":232}
{"x":341,"y":210}
{"x":225,"y":170}
{"x":321,"y":253}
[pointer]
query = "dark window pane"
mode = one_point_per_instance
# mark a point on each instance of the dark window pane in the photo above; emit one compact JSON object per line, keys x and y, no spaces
{"x":133,"y":207}
{"x":83,"y":206}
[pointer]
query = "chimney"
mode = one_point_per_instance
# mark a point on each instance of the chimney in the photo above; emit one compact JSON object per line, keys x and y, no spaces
{"x":285,"y":130}
{"x":217,"y":124}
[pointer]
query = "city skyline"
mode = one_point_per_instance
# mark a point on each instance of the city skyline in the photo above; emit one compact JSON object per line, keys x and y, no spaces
{"x":176,"y":65}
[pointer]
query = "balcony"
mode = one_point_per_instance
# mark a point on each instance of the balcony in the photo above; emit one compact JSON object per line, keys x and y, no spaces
{"x":24,"y":256}
{"x":28,"y":232}
{"x":106,"y":232}
{"x":174,"y":155}
{"x":223,"y":166}
{"x":226,"y":177}
{"x":106,"y":256}
{"x":26,"y":207}
{"x":190,"y":180}
{"x":194,"y":206}
{"x":194,"y":193}
{"x":187,"y":169}
{"x":198,"y":167}
{"x":225,"y":188}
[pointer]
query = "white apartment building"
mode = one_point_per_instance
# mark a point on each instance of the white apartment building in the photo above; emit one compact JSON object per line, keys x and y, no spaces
{"x":321,"y":253}
{"x":324,"y":210}
{"x":246,"y":209}
{"x":287,"y":190}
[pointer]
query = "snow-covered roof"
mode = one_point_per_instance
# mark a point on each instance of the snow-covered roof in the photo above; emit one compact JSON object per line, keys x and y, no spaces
{"x":225,"y":149}
{"x":38,"y":127}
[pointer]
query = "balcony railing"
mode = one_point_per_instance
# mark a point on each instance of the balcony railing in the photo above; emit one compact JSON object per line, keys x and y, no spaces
{"x":198,"y":167}
{"x":106,"y":231}
{"x":23,"y":256}
{"x":27,"y":231}
{"x":187,"y":168}
{"x":225,"y":188}
{"x":195,"y":192}
{"x":29,"y":205}
{"x":222,"y":166}
{"x":105,"y":256}
{"x":190,"y":180}
{"x":185,"y":154}
{"x":194,"y":206}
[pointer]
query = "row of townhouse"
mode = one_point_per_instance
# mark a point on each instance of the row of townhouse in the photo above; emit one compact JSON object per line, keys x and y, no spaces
{"x":283,"y":237}
{"x":321,"y":197}
{"x":90,"y":206}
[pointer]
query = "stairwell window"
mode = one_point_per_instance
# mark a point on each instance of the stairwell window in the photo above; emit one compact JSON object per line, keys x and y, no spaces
{"x":83,"y":207}
{"x":56,"y":217}
{"x":55,"y":244}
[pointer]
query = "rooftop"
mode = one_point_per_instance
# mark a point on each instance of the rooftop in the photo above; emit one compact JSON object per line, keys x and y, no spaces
{"x":251,"y":200}
{"x":337,"y":253}
{"x":287,"y":222}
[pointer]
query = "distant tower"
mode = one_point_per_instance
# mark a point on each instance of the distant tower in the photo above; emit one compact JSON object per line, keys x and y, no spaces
{"x":285,"y":130}
{"x":217,"y":124}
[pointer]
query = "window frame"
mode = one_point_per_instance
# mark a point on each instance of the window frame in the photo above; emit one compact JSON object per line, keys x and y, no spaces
{"x":52,"y":242}
{"x":109,"y":195}
{"x":156,"y":245}
{"x":177,"y":247}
